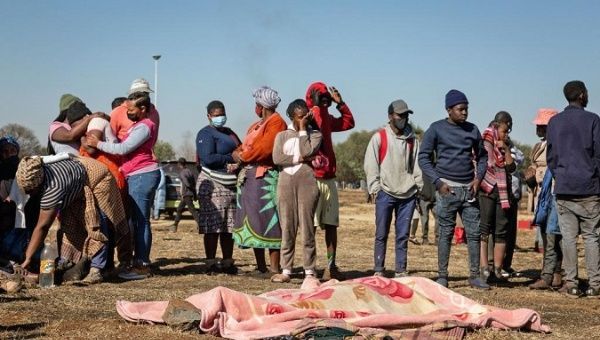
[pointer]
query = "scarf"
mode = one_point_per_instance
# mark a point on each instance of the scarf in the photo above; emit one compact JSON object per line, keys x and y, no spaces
{"x":495,"y":175}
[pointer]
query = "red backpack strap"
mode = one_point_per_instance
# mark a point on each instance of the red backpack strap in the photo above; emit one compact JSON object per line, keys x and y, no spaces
{"x":382,"y":145}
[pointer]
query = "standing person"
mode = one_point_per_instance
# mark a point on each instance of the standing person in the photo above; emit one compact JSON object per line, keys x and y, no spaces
{"x":187,"y":193}
{"x":297,"y":191}
{"x":119,"y":122}
{"x":425,"y":205}
{"x":457,"y":145}
{"x":140,"y":168}
{"x":574,"y":158}
{"x":393,"y":174}
{"x":69,"y":126}
{"x":217,"y":181}
{"x":327,"y":215}
{"x":551,"y":276}
{"x":160,"y":196}
{"x":257,"y":222}
{"x":494,"y":199}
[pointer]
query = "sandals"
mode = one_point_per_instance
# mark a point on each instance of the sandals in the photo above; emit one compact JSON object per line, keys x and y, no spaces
{"x":280,"y":278}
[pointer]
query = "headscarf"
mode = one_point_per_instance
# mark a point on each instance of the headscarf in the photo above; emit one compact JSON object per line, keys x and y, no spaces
{"x":266,"y":96}
{"x":9,"y":139}
{"x":30,"y":173}
{"x":316,"y":86}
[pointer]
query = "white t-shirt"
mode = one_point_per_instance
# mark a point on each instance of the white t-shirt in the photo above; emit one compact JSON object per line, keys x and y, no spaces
{"x":103,"y":126}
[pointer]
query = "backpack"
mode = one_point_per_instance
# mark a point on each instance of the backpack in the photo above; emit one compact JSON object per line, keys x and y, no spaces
{"x":383,"y":145}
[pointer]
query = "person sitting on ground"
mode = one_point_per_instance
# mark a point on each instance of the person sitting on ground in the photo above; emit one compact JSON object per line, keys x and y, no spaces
{"x":297,"y":191}
{"x":187,"y":193}
{"x":394,"y":175}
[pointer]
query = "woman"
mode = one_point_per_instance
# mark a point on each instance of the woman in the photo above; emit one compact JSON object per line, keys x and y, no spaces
{"x":494,"y":198}
{"x":216,"y":183}
{"x":140,"y":169}
{"x":257,"y":222}
{"x":69,"y":126}
{"x":297,"y":190}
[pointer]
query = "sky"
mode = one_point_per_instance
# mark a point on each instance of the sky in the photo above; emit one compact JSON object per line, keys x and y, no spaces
{"x":504,"y":55}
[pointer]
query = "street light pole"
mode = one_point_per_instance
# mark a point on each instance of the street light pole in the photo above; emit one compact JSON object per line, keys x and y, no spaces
{"x":156,"y":57}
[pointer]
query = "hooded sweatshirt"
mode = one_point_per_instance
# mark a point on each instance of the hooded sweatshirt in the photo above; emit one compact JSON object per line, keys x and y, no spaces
{"x":328,"y":124}
{"x":395,"y":175}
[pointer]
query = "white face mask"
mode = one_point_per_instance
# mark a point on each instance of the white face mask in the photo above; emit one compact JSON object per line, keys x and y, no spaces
{"x":218,"y":121}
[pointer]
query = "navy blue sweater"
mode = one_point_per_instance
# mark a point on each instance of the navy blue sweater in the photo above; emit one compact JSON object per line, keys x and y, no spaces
{"x":455,"y":147}
{"x":214,"y":147}
{"x":573,"y":152}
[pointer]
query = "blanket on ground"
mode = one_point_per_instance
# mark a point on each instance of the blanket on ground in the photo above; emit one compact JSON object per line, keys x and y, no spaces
{"x":364,"y":307}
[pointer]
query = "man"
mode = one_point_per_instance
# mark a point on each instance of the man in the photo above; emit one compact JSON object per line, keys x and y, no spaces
{"x":395,"y":177}
{"x":119,"y":122}
{"x":573,"y":155}
{"x":327,"y":213}
{"x":457,"y":146}
{"x":188,"y":194}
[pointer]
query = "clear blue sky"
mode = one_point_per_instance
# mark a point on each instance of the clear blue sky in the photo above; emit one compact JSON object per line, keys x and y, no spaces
{"x":505,"y":55}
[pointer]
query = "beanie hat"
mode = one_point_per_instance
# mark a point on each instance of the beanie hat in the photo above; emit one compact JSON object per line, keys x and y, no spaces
{"x":30,"y":173}
{"x":10,"y":140}
{"x":455,"y":97}
{"x":66,"y":100}
{"x":543,"y":116}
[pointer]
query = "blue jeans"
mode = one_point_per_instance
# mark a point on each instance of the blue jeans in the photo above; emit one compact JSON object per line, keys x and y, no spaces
{"x":447,"y":206}
{"x":141,"y":190}
{"x":104,"y":258}
{"x":385,"y":205}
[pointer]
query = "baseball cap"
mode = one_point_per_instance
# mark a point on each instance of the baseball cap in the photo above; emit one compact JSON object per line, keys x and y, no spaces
{"x":140,"y":85}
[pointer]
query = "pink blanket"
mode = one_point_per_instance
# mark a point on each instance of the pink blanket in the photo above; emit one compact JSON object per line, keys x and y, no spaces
{"x":365,"y":306}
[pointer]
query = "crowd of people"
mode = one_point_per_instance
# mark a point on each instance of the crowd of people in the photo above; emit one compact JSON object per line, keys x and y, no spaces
{"x":100,"y":178}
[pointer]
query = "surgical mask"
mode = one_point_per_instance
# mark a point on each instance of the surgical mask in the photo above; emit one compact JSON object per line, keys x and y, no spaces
{"x":400,"y":124}
{"x":218,"y":121}
{"x":132,"y":117}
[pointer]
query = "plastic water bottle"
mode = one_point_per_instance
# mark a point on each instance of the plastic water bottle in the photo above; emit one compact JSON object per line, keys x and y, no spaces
{"x":47,"y":266}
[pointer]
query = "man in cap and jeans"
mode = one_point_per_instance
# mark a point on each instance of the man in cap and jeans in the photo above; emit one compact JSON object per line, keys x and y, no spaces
{"x":119,"y":122}
{"x":457,"y":146}
{"x":394,"y":176}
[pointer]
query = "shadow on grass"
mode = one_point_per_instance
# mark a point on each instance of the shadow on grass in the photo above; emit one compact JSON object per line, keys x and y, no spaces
{"x":12,"y":298}
{"x":19,"y":329}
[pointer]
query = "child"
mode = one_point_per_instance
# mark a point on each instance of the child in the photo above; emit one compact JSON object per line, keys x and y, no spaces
{"x":494,"y":198}
{"x":297,"y":191}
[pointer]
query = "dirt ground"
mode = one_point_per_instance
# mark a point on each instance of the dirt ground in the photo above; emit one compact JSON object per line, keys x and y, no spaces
{"x":89,"y":312}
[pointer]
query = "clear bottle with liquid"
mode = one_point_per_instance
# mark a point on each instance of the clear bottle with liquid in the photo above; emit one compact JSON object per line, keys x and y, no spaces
{"x":48,"y":265}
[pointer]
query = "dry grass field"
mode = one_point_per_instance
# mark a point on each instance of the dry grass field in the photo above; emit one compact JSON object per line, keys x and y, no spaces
{"x":89,"y":312}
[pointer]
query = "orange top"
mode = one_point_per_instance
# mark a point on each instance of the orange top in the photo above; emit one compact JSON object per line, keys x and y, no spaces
{"x":257,"y":147}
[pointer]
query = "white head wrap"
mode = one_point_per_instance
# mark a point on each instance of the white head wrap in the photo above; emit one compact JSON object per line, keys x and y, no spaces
{"x":266,"y":97}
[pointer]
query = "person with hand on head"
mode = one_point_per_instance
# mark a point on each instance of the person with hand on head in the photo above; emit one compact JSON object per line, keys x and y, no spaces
{"x":494,"y":199}
{"x":140,"y":169}
{"x":216,"y":182}
{"x":394,"y":176}
{"x":458,"y":147}
{"x":327,"y":215}
{"x":257,"y":222}
{"x":297,"y":191}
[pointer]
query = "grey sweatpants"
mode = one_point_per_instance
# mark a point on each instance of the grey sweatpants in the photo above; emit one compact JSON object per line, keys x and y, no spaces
{"x":580,"y":215}
{"x":297,"y":196}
